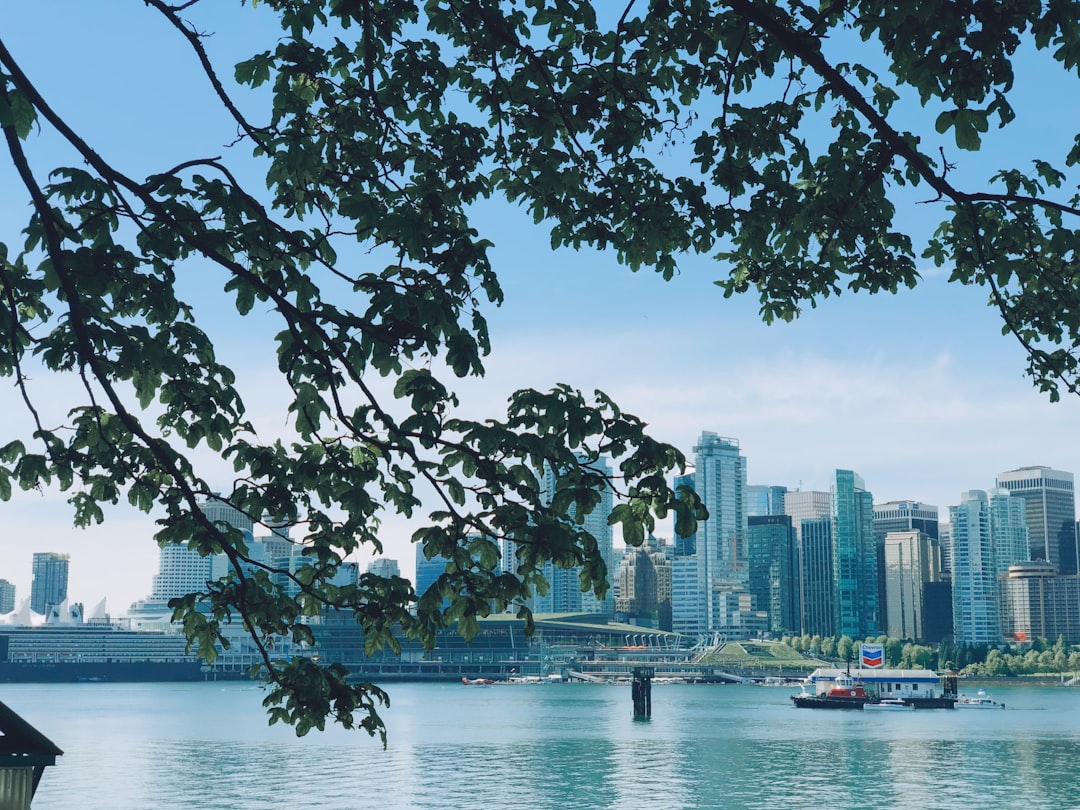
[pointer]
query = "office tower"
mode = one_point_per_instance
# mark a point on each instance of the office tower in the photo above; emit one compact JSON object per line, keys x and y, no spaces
{"x":816,"y":613}
{"x":7,"y":596}
{"x":988,"y":535}
{"x":645,"y":587}
{"x":900,"y":516}
{"x":855,"y":584}
{"x":811,"y":519}
{"x":910,"y":564}
{"x":49,"y":585}
{"x":384,"y":567}
{"x":1051,"y":513}
{"x":762,"y":499}
{"x":772,"y":565}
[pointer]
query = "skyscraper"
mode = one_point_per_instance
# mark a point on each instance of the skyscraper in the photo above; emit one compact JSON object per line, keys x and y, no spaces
{"x":911,"y":563}
{"x":811,"y":519}
{"x":855,"y":584}
{"x":1051,"y":513}
{"x":720,"y":482}
{"x":384,"y":567}
{"x":900,"y":516}
{"x":49,"y":586}
{"x":763,"y":499}
{"x":564,"y":594}
{"x":772,"y":564}
{"x":183,"y":570}
{"x":988,"y":535}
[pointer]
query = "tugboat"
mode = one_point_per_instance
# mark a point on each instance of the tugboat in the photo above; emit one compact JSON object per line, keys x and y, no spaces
{"x":847,"y":693}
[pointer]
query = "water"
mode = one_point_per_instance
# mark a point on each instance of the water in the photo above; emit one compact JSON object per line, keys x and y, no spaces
{"x":164,"y":746}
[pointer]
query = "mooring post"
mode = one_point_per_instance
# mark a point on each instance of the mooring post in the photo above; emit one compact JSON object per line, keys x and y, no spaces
{"x":641,"y":690}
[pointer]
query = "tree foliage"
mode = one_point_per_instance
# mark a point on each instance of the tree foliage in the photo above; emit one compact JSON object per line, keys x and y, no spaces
{"x":764,"y":134}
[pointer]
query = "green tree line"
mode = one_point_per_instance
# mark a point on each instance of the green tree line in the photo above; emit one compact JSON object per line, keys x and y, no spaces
{"x":1039,"y":657}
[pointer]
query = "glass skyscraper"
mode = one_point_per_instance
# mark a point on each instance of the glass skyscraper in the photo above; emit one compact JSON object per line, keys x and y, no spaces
{"x":989,"y":533}
{"x":49,"y":586}
{"x":720,"y":482}
{"x":855,"y":581}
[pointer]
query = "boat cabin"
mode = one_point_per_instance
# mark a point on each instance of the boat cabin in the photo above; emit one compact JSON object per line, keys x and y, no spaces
{"x":918,"y":684}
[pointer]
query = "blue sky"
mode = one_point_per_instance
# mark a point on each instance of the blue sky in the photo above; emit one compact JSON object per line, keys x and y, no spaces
{"x":917,"y":392}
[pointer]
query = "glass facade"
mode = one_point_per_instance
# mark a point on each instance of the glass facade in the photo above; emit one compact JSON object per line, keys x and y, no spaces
{"x":855,"y":580}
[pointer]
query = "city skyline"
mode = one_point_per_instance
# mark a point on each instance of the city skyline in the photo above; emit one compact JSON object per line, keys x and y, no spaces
{"x":404,"y":552}
{"x":919,"y":391}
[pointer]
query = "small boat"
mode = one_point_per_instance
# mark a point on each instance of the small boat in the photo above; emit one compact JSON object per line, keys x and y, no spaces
{"x":888,"y":705}
{"x":980,"y":701}
{"x":845,"y":694}
{"x":477,"y":681}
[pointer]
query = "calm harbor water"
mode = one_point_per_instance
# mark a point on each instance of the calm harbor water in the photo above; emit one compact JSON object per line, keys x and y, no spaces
{"x":164,"y":746}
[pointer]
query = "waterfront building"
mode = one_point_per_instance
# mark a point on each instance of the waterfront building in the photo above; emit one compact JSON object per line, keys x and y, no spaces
{"x":7,"y":596}
{"x":49,"y":586}
{"x":183,"y":570}
{"x":900,"y":516}
{"x":1036,"y":603}
{"x":911,"y":563}
{"x":762,"y":499}
{"x":1051,"y":513}
{"x":816,"y":617}
{"x":811,"y":519}
{"x":645,"y":587}
{"x":772,"y":565}
{"x":855,"y":584}
{"x":384,"y":567}
{"x":687,"y":603}
{"x":988,"y":535}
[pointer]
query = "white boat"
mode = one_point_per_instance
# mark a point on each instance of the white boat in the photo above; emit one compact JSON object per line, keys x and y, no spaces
{"x":889,"y":705}
{"x":980,"y":701}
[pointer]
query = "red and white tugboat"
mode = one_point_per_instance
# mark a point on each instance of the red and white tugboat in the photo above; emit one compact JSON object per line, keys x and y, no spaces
{"x":846,"y":693}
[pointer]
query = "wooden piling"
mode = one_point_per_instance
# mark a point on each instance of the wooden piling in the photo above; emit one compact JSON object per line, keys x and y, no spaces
{"x":641,"y":690}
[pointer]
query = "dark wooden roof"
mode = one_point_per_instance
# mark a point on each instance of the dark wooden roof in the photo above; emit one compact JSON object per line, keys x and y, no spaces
{"x":23,"y":745}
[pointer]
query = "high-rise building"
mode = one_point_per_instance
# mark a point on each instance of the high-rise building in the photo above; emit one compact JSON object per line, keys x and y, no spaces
{"x":763,"y":499}
{"x":988,"y":535}
{"x":183,"y":570}
{"x":900,"y":516}
{"x":911,"y":563}
{"x":855,"y":584}
{"x":816,"y":614}
{"x":720,"y":482}
{"x":1051,"y":513}
{"x":384,"y":567}
{"x":773,"y":564}
{"x":7,"y":596}
{"x":49,"y":585}
{"x":645,"y":587}
{"x":564,"y":593}
{"x":685,"y":546}
{"x":1037,"y":603}
{"x":427,"y":571}
{"x":811,"y":519}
